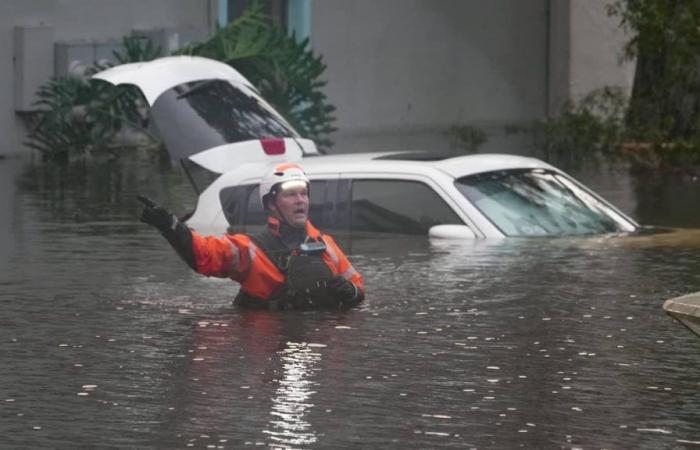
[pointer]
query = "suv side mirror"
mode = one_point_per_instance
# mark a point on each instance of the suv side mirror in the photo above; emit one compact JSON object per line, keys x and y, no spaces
{"x":451,"y":232}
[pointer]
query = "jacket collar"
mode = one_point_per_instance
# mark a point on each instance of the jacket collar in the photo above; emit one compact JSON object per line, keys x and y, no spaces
{"x":278,"y":228}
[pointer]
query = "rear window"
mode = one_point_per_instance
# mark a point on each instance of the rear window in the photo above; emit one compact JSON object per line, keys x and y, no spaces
{"x":196,"y":116}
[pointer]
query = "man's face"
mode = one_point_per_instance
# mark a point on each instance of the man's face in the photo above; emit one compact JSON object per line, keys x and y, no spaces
{"x":292,"y":205}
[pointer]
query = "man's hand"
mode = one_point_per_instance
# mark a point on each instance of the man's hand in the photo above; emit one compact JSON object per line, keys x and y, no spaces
{"x":343,"y":289}
{"x":157,"y":216}
{"x":176,"y":232}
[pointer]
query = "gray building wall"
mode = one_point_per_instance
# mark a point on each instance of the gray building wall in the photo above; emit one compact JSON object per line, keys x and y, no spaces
{"x":586,"y":48}
{"x":402,"y":72}
{"x":78,"y":21}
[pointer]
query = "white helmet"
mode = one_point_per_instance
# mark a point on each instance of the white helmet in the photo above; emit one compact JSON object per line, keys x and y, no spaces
{"x":287,"y":174}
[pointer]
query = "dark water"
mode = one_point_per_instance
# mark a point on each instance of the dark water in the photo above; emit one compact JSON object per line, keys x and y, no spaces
{"x":108,"y":340}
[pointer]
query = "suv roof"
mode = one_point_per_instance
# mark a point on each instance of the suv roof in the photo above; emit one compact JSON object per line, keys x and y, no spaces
{"x":455,"y":166}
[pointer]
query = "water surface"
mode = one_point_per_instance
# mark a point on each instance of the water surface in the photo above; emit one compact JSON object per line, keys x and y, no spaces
{"x":108,"y":340}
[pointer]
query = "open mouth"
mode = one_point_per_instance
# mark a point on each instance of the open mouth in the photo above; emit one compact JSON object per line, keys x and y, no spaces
{"x":298,"y":212}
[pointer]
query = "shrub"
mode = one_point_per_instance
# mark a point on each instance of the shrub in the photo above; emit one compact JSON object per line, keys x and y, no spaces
{"x":585,"y":130}
{"x":76,"y":116}
{"x":467,"y":138}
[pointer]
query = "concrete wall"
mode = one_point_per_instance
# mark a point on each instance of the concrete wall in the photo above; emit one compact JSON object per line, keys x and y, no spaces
{"x":597,"y":43}
{"x":83,"y":21}
{"x":401,"y":72}
{"x":586,"y":48}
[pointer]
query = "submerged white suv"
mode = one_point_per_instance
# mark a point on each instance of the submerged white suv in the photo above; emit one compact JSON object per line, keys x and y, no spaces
{"x":211,"y":117}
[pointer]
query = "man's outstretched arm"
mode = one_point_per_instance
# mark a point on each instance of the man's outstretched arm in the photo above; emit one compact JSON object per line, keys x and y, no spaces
{"x":176,"y":232}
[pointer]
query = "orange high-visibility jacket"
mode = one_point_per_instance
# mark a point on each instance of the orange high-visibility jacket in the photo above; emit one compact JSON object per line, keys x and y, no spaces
{"x":251,"y":267}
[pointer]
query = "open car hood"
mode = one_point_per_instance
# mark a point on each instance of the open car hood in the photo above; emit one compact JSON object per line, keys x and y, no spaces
{"x":209,"y":113}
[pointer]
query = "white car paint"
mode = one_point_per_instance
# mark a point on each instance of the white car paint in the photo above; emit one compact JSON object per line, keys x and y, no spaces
{"x":157,"y":76}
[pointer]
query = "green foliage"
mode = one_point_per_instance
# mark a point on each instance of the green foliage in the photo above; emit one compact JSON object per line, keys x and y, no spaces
{"x":136,"y":48}
{"x":660,"y":26}
{"x":285,"y":71}
{"x":665,"y":101}
{"x":585,"y":130}
{"x":76,"y":116}
{"x":66,"y":122}
{"x":662,"y":121}
{"x":467,"y":138}
{"x":595,"y":129}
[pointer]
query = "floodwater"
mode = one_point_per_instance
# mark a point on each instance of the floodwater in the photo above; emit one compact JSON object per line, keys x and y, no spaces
{"x":108,"y":340}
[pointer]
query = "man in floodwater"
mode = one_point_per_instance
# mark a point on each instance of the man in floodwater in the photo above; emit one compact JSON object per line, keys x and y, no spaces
{"x":290,"y":265}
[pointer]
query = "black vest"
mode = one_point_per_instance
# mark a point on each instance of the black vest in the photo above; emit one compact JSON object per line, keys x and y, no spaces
{"x":306,"y":277}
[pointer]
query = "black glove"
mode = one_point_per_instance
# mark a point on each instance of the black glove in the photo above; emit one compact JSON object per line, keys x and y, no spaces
{"x":343,"y":289}
{"x":157,"y":216}
{"x":176,"y":232}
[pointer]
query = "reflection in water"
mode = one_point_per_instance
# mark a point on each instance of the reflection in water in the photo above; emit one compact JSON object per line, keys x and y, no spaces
{"x":291,"y":403}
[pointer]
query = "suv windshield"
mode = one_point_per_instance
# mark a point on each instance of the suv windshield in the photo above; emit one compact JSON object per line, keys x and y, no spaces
{"x":537,"y":202}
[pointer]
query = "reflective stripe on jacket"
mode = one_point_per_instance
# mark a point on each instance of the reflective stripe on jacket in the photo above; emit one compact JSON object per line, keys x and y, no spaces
{"x":257,"y":274}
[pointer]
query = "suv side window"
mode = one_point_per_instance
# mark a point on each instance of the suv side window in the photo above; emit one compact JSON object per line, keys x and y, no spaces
{"x":322,"y":204}
{"x":233,"y":199}
{"x":254,"y":215}
{"x":398,"y":206}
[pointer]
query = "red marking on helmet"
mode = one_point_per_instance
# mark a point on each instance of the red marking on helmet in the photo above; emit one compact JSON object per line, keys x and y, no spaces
{"x":272,"y":146}
{"x":280,"y":168}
